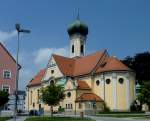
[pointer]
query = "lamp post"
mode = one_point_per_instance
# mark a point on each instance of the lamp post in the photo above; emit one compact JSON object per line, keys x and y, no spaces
{"x":19,"y":30}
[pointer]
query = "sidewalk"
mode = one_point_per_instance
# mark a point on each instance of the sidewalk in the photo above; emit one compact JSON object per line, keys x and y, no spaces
{"x":19,"y":118}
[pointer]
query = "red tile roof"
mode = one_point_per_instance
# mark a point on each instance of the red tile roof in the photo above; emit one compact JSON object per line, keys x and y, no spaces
{"x":112,"y":64}
{"x":88,"y":64}
{"x":37,"y":79}
{"x":82,"y":85}
{"x":9,"y":54}
{"x":77,"y":66}
{"x":89,"y":97}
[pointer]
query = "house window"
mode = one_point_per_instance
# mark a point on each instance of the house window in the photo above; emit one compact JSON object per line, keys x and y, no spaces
{"x":6,"y":88}
{"x":121,"y":80}
{"x":82,"y":49}
{"x":52,"y":71}
{"x":7,"y":74}
{"x":108,"y":81}
{"x":72,"y":48}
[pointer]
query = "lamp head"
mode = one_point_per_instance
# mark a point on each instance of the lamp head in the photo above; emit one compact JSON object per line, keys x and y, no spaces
{"x":17,"y":27}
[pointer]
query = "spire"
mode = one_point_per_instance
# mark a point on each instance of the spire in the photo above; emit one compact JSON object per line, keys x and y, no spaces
{"x":78,"y":15}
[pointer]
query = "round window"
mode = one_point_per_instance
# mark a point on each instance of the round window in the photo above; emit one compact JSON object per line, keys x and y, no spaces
{"x":121,"y":80}
{"x":69,"y":94}
{"x":107,"y":81}
{"x":97,"y":82}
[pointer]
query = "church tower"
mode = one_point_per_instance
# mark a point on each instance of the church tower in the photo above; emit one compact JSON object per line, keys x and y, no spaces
{"x":77,"y":33}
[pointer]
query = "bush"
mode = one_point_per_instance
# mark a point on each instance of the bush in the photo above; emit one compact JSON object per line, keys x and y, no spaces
{"x":106,"y":108}
{"x":136,"y":106}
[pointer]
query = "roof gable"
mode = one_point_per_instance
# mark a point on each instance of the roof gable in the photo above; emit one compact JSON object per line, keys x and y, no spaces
{"x":3,"y":47}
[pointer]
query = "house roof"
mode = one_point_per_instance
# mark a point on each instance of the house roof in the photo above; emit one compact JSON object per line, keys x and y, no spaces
{"x":82,"y":85}
{"x":37,"y":79}
{"x":97,"y":63}
{"x":9,"y":54}
{"x":89,"y":97}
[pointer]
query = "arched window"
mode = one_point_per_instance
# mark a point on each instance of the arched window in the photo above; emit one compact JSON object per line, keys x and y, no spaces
{"x":72,"y":48}
{"x":52,"y":82}
{"x":82,"y":49}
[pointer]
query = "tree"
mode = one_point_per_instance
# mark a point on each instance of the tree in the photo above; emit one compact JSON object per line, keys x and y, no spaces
{"x":3,"y":98}
{"x":52,"y":95}
{"x":144,"y":96}
{"x":140,"y":63}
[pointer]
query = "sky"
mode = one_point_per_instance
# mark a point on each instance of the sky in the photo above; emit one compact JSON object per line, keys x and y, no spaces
{"x":120,"y":26}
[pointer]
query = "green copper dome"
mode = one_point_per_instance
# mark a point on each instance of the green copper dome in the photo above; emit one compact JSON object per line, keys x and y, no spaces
{"x":78,"y":27}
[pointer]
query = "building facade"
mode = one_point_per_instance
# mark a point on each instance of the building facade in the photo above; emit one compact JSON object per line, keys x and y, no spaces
{"x":89,"y":80}
{"x":7,"y":75}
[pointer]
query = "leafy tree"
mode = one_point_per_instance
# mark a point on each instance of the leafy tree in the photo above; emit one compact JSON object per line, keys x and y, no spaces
{"x":144,"y":96}
{"x":140,"y":63}
{"x":52,"y":95}
{"x":3,"y":98}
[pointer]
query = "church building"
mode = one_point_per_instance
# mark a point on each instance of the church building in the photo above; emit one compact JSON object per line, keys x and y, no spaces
{"x":90,"y":81}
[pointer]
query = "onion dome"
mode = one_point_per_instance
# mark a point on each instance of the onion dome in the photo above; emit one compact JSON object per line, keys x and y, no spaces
{"x":78,"y":27}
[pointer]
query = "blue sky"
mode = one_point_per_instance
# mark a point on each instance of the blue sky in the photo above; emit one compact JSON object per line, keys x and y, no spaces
{"x":121,"y":26}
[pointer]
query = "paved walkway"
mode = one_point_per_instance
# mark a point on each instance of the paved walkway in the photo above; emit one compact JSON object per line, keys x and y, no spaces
{"x":19,"y":118}
{"x":97,"y":118}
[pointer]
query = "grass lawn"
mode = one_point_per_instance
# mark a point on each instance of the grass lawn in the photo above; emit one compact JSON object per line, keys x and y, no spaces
{"x":56,"y":119}
{"x":4,"y":118}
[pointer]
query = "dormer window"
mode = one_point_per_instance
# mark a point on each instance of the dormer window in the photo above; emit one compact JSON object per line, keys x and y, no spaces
{"x":6,"y":74}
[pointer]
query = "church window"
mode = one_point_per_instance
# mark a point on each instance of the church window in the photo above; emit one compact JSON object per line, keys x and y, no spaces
{"x":69,"y":94}
{"x":52,"y":82}
{"x":72,"y":48}
{"x":80,"y":105}
{"x":33,"y":105}
{"x":97,"y":82}
{"x":82,"y":49}
{"x":66,"y":106}
{"x":108,"y":81}
{"x":121,"y":80}
{"x":52,"y":71}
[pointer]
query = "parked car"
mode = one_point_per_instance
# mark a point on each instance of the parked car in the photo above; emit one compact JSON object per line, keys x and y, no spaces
{"x":34,"y":113}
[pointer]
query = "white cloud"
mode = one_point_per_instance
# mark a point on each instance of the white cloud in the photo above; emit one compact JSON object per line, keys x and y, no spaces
{"x":32,"y":62}
{"x":7,"y":35}
{"x":42,"y":55}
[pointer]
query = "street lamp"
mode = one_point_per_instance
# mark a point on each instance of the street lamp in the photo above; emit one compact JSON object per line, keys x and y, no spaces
{"x":19,"y":30}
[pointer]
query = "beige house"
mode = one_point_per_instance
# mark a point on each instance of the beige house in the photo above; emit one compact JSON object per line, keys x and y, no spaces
{"x":89,"y":80}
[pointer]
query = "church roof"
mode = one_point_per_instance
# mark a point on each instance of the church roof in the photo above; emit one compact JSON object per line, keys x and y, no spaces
{"x":37,"y":79}
{"x":89,"y":97}
{"x":83,"y":85}
{"x":95,"y":63}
